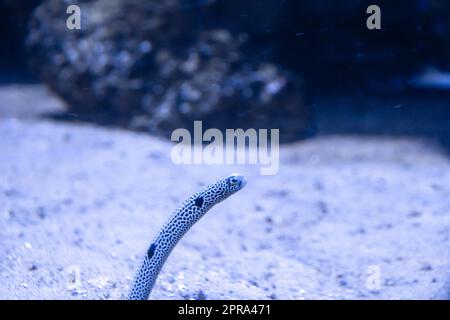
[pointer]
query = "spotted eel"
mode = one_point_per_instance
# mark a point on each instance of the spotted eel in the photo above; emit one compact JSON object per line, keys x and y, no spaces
{"x":176,"y":226}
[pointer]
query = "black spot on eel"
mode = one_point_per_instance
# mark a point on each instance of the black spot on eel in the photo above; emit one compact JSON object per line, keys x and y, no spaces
{"x":176,"y":226}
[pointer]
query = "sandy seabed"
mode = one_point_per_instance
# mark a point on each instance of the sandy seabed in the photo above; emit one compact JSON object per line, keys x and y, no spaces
{"x":79,"y":205}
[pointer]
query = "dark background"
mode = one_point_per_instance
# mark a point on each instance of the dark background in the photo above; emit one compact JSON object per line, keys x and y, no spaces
{"x":355,"y":80}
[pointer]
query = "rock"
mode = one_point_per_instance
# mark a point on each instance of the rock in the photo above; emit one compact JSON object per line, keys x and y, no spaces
{"x":32,"y":267}
{"x":150,"y":66}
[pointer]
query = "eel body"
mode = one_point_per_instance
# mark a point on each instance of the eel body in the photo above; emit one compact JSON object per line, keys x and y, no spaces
{"x":176,"y":226}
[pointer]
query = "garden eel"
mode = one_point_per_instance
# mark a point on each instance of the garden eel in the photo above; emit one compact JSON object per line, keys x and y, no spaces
{"x":176,"y":226}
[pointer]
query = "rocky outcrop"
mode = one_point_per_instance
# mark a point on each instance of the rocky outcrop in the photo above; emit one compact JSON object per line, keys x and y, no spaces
{"x":155,"y":64}
{"x":159,"y":65}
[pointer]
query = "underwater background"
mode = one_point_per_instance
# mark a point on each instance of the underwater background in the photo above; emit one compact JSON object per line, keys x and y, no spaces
{"x":360,"y":205}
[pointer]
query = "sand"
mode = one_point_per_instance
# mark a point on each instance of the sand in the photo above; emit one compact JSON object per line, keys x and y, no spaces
{"x":80,"y":203}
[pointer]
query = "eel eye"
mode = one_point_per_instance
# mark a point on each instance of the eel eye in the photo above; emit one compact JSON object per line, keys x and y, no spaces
{"x":233,"y":181}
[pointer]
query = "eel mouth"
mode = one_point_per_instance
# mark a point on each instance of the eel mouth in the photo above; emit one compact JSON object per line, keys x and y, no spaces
{"x":242,"y":182}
